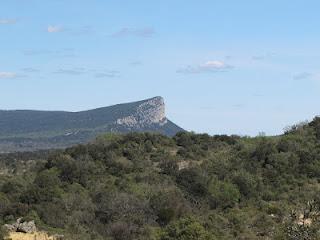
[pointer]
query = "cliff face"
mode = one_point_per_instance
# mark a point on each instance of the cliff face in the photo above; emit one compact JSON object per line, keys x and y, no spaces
{"x":26,"y":130}
{"x":151,"y":111}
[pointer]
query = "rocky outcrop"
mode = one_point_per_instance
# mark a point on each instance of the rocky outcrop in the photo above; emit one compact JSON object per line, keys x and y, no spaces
{"x":24,"y":230}
{"x":58,"y":237}
{"x":149,"y":112}
{"x":20,"y":226}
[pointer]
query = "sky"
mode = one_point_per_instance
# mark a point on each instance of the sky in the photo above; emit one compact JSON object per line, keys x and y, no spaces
{"x":223,"y":67}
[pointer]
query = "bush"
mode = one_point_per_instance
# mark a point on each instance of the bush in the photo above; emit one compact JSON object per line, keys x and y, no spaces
{"x":186,"y":229}
{"x":193,"y":181}
{"x":223,"y":194}
{"x":168,"y":205}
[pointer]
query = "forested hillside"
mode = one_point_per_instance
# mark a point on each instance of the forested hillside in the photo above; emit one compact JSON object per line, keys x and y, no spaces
{"x":188,"y":187}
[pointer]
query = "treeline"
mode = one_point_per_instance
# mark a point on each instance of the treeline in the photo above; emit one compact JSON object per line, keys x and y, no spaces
{"x":189,"y":187}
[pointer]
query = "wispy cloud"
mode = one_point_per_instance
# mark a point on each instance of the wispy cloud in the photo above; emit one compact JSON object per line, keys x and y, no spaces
{"x":85,"y":30}
{"x":8,"y":75}
{"x":257,"y":95}
{"x":33,"y":52}
{"x":136,"y":32}
{"x":65,"y":52}
{"x":302,"y":76}
{"x":258,"y":57}
{"x":261,"y":57}
{"x":97,"y":73}
{"x":135,"y":63}
{"x":209,"y":66}
{"x":238,"y":105}
{"x":107,"y":74}
{"x":30,"y":70}
{"x":7,"y":21}
{"x":72,"y":71}
{"x":55,"y":29}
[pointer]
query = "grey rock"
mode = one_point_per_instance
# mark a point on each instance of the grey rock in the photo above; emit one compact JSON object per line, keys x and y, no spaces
{"x":151,"y":111}
{"x":10,"y":227}
{"x":27,"y":227}
{"x":58,"y":237}
{"x":19,"y":226}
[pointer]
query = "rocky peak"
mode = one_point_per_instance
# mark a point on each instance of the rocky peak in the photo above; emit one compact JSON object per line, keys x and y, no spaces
{"x":148,"y":112}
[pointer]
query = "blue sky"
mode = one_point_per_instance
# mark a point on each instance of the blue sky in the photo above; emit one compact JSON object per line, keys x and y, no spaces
{"x":234,"y":67}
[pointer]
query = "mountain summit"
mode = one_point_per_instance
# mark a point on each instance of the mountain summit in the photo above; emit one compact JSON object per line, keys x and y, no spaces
{"x":25,"y":130}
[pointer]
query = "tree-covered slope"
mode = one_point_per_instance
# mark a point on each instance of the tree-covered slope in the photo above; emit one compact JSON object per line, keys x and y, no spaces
{"x":189,"y":187}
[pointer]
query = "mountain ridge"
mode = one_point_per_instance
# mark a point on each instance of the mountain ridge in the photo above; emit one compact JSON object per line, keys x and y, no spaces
{"x":22,"y":129}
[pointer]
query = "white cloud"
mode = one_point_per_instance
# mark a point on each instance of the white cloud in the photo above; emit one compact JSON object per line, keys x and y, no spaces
{"x":214,"y":65}
{"x":6,"y":21}
{"x":209,"y":66}
{"x":54,"y":29}
{"x":7,"y":75}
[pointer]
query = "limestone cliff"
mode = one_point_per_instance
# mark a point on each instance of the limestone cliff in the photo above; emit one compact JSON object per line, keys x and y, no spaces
{"x":151,"y":111}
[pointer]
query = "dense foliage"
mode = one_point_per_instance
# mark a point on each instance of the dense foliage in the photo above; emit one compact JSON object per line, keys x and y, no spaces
{"x":189,"y":187}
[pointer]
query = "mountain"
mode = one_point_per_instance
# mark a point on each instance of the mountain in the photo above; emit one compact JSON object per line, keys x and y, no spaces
{"x":26,"y":130}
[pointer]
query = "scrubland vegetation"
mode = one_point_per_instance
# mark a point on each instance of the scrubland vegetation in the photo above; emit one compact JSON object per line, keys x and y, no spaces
{"x":189,"y":187}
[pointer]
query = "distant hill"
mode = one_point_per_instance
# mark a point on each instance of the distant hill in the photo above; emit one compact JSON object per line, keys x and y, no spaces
{"x":27,"y":130}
